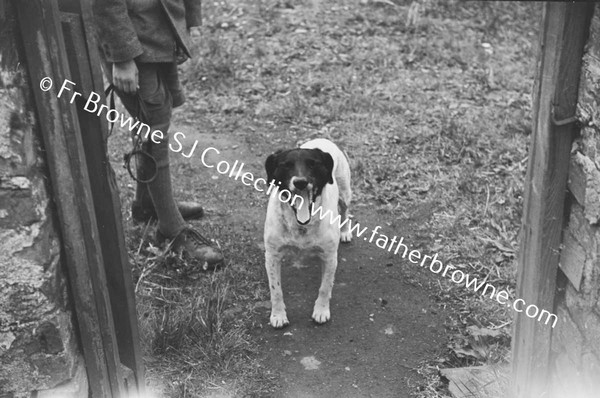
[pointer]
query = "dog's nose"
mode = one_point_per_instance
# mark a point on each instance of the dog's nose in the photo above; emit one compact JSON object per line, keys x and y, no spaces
{"x":300,"y":183}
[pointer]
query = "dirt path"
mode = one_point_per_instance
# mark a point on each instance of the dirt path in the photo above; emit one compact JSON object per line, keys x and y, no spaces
{"x":383,"y":322}
{"x":383,"y":325}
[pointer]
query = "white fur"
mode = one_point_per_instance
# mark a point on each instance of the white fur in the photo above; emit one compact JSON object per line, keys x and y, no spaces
{"x":319,"y":236}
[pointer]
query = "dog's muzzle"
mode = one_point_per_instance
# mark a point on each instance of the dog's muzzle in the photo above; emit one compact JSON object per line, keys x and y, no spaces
{"x":302,"y":208}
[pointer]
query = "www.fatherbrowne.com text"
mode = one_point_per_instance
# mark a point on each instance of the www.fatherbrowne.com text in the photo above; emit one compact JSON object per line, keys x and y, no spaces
{"x":393,"y":245}
{"x":396,"y":245}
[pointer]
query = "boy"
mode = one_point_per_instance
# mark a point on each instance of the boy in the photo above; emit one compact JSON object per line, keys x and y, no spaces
{"x":142,"y":41}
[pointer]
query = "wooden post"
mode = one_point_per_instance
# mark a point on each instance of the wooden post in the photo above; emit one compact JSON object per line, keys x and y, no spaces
{"x":84,"y":64}
{"x":563,"y":35}
{"x":43,"y":43}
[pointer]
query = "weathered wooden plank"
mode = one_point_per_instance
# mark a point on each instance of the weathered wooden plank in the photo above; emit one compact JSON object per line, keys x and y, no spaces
{"x":572,"y":259}
{"x":478,"y":381}
{"x":45,"y":55}
{"x":86,"y":73}
{"x":562,"y":38}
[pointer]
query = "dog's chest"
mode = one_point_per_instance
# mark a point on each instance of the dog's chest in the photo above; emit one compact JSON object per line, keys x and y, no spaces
{"x":305,"y":237}
{"x":282,"y":228}
{"x":288,"y":233}
{"x":301,"y":230}
{"x":301,"y":257}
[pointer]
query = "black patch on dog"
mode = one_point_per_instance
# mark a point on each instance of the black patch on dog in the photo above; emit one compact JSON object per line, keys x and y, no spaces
{"x":271,"y":164}
{"x":314,"y":165}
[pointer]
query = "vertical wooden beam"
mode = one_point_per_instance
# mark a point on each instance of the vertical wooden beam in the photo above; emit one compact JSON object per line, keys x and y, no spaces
{"x":563,"y":35}
{"x":84,"y":63}
{"x":43,"y":45}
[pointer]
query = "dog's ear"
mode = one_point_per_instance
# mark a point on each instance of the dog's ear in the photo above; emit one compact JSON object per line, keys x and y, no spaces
{"x":328,"y":162}
{"x":271,"y":164}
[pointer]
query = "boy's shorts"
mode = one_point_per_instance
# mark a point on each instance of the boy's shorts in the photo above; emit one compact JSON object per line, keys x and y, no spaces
{"x":159,"y":88}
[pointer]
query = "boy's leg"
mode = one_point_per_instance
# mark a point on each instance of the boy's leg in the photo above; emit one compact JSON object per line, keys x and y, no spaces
{"x":142,"y":209}
{"x":170,"y":222}
{"x":159,"y":191}
{"x":172,"y":83}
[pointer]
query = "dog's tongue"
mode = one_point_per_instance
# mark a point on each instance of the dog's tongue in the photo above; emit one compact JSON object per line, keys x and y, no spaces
{"x":303,"y":212}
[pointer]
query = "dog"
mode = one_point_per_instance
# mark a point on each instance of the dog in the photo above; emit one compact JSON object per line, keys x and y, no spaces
{"x":315,"y":175}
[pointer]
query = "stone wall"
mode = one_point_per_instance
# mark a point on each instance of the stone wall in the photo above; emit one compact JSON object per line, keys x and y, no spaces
{"x":38,"y":343}
{"x":575,"y":346}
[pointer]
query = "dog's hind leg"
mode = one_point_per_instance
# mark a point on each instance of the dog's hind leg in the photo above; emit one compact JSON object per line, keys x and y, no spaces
{"x":345,"y":233}
{"x":321,"y":313}
{"x":278,"y":315}
{"x":345,"y":196}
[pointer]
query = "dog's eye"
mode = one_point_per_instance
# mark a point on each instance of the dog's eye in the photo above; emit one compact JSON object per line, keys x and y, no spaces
{"x":288,"y":165}
{"x":310,"y":163}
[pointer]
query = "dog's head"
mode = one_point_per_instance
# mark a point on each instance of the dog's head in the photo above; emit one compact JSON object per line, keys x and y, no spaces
{"x":302,"y":172}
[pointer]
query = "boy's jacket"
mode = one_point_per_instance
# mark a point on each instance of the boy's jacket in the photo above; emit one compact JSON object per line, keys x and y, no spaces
{"x":145,"y":30}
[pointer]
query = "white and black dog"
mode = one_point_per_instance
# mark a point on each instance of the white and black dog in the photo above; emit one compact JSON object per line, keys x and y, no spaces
{"x":315,"y":175}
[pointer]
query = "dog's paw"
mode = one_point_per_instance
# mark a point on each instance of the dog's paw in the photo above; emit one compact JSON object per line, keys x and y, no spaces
{"x":279,"y":321}
{"x":345,"y":236}
{"x":321,"y":314}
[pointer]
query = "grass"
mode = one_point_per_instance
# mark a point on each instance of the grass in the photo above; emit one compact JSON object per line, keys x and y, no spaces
{"x":194,"y":328}
{"x":430,"y":99}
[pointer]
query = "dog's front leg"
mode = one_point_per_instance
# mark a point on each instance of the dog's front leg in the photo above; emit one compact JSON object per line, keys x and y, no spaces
{"x":273,"y":266}
{"x":321,"y":313}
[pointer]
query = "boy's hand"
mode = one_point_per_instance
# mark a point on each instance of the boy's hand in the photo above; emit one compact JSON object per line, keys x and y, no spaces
{"x":125,"y":76}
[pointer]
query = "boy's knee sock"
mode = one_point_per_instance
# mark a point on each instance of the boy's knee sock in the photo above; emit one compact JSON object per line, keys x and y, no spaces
{"x":142,"y":196}
{"x":144,"y":171}
{"x":170,"y":221}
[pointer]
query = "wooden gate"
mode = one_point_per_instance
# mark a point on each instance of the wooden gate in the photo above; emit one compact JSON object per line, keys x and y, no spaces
{"x":564,"y":31}
{"x":59,"y":44}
